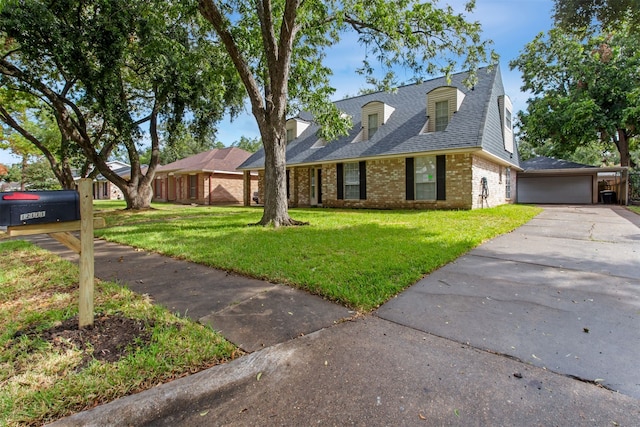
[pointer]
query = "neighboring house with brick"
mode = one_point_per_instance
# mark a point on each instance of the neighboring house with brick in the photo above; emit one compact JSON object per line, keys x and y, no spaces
{"x":432,"y":145}
{"x":103,"y":189}
{"x":208,"y":178}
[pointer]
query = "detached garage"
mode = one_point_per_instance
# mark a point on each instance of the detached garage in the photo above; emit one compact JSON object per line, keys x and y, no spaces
{"x":545,"y":180}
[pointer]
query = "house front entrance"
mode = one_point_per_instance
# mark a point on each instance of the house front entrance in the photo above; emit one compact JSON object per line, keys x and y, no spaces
{"x":315,"y":181}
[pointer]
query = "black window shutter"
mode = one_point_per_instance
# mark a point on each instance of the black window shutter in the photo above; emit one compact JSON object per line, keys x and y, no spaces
{"x":340,"y":184}
{"x":441,"y":176}
{"x":288,"y":185}
{"x":363,"y":180}
{"x":410,"y":179}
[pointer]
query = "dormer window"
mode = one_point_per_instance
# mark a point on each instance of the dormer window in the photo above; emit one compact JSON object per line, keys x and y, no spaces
{"x":442,"y":115}
{"x":442,"y":102}
{"x":374,"y":115}
{"x":372,"y":124}
{"x":295,"y":127}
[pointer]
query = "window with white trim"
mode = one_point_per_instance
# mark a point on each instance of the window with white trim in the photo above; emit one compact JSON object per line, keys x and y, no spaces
{"x":425,"y":178}
{"x":351,"y":181}
{"x":507,"y":183}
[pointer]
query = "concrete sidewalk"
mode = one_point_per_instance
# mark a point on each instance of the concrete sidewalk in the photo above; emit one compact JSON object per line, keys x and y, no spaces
{"x":520,"y":331}
{"x":251,"y":313}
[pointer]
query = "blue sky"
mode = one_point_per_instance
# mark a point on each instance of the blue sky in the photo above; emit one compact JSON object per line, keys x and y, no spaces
{"x":509,"y":23}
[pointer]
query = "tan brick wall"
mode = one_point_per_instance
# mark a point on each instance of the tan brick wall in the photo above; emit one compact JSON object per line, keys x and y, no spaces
{"x":496,"y":183}
{"x":225,"y":189}
{"x":386,"y":185}
{"x":386,"y":188}
{"x":302,"y":186}
{"x":459,"y":181}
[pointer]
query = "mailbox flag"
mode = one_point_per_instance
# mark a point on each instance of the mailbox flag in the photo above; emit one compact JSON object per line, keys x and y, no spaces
{"x":21,"y":196}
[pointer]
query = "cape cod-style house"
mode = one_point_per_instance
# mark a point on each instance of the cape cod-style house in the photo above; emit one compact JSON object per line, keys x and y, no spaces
{"x":432,"y":145}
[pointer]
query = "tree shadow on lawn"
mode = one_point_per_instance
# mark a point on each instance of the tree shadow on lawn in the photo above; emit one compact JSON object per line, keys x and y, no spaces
{"x":359,"y":265}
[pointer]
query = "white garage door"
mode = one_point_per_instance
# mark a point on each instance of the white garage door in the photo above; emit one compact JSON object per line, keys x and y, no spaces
{"x":555,"y":189}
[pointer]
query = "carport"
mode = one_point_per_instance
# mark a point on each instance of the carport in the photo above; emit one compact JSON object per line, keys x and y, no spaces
{"x":550,"y":181}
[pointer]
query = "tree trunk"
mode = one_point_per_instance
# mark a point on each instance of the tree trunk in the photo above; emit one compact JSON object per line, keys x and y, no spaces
{"x":276,"y":209}
{"x":623,"y":148}
{"x":138,"y":196}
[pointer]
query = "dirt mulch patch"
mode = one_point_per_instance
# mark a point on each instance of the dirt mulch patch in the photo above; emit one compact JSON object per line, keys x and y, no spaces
{"x":108,"y":340}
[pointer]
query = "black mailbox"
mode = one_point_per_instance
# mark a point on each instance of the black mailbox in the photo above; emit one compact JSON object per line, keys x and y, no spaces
{"x":38,"y":207}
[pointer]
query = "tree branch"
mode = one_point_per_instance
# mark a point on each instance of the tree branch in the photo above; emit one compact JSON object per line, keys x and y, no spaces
{"x":212,"y":13}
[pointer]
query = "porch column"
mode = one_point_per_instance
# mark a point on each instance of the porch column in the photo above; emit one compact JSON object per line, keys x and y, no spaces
{"x":246,"y":187}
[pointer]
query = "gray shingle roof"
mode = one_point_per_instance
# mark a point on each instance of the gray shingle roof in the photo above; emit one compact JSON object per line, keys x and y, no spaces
{"x":540,"y":163}
{"x":475,"y":125}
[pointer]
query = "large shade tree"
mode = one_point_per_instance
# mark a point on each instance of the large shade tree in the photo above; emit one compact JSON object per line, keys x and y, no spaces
{"x":29,"y":131}
{"x":278,"y":48}
{"x":580,"y":14}
{"x":585,"y":89}
{"x":112,"y":71}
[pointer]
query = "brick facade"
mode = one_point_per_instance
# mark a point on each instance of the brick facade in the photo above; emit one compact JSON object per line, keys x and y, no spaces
{"x":386,"y":185}
{"x":496,"y":183}
{"x":212,"y":189}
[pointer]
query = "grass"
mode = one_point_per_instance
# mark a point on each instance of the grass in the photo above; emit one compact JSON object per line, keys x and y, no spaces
{"x":359,"y":258}
{"x":41,"y":382}
{"x":635,"y":209}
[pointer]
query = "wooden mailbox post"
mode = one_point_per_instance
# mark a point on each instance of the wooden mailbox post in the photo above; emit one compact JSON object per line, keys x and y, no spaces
{"x":61,"y":231}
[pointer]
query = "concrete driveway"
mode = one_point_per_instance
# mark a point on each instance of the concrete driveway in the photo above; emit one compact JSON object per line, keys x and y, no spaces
{"x":561,"y":292}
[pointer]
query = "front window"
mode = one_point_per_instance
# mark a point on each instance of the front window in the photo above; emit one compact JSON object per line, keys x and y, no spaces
{"x":507,"y":183}
{"x":507,"y":119}
{"x":193,"y":186}
{"x":425,"y":178}
{"x":442,"y":115}
{"x":158,"y":189}
{"x":372,"y":124}
{"x":351,"y":181}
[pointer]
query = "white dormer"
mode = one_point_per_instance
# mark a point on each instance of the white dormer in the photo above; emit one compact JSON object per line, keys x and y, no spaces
{"x":442,"y":102}
{"x":374,"y":115}
{"x":295,"y":127}
{"x":506,"y":117}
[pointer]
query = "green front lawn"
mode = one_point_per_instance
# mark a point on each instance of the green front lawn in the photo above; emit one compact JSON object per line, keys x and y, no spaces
{"x":359,"y":258}
{"x":45,"y":375}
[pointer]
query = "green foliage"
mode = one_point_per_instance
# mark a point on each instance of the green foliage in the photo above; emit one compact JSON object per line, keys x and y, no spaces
{"x":579,"y":14}
{"x":248,"y":144}
{"x":113,"y":72}
{"x":14,"y":174}
{"x":39,"y":176}
{"x":584,"y":90}
{"x":377,"y":253}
